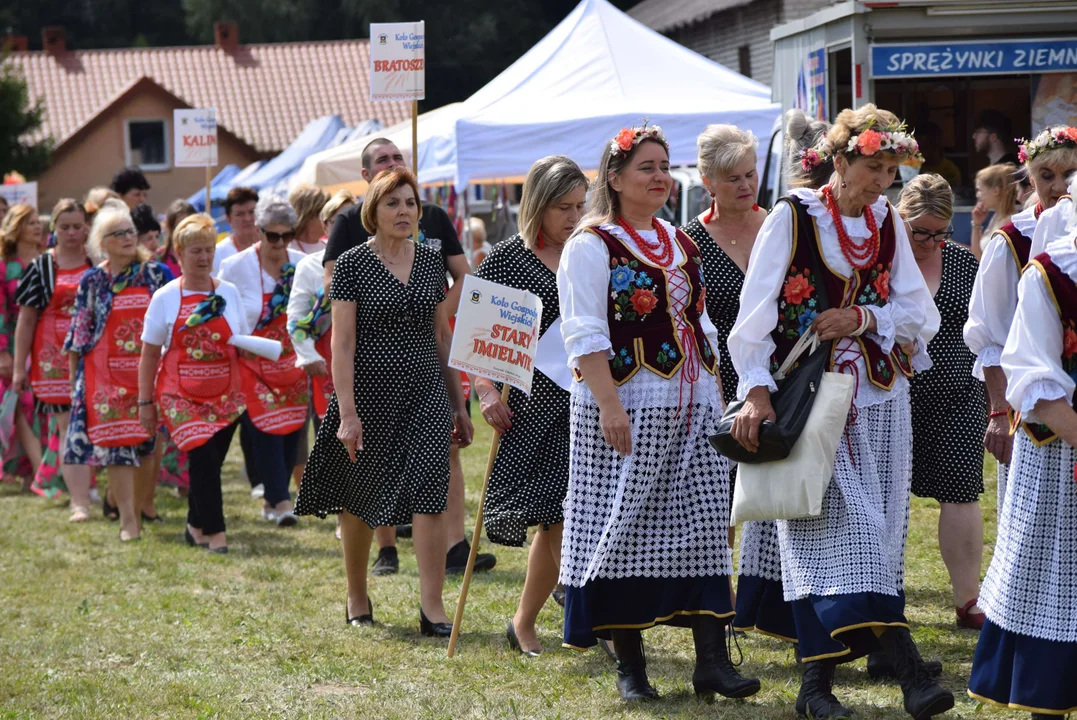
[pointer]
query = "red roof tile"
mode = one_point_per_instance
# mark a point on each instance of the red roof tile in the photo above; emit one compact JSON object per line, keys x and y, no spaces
{"x":265,"y":94}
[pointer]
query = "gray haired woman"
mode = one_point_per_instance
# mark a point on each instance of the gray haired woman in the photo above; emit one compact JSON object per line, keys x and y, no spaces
{"x":530,"y":475}
{"x":276,"y":391}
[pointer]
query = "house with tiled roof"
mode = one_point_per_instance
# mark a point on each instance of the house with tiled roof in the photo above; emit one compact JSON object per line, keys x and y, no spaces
{"x":106,"y":109}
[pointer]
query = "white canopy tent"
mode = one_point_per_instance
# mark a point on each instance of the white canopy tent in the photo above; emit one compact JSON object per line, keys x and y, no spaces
{"x":340,"y":166}
{"x":597,"y":71}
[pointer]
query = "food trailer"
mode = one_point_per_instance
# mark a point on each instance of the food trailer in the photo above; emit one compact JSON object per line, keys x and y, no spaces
{"x":937,"y":63}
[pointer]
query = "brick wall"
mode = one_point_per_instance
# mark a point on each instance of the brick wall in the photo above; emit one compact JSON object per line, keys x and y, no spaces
{"x":721,"y":36}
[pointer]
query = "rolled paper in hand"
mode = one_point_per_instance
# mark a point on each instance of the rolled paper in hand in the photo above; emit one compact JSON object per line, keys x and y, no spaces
{"x":260,"y":346}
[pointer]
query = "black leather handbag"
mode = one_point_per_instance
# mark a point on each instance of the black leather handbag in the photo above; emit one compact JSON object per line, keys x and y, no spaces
{"x":792,"y":402}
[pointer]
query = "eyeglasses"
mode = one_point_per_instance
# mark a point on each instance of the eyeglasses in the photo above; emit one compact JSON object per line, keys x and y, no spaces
{"x":927,"y":238}
{"x":125,"y":233}
{"x":278,"y":237}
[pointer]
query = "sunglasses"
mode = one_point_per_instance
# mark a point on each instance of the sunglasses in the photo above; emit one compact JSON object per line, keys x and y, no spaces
{"x":279,"y":237}
{"x":927,"y":238}
{"x":125,"y":233}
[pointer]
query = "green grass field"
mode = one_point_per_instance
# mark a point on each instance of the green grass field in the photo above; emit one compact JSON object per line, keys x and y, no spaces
{"x":93,"y":629}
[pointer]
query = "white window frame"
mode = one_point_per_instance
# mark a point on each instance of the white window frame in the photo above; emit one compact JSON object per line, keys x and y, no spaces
{"x":159,"y":167}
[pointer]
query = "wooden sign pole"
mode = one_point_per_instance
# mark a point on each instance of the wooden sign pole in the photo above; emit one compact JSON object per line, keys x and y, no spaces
{"x":458,"y":620}
{"x":208,"y":181}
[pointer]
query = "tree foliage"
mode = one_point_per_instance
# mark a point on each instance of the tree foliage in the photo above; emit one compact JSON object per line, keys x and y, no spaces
{"x":19,"y":119}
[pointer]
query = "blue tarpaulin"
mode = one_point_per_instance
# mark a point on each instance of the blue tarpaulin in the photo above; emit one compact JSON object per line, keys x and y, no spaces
{"x":225,"y":175}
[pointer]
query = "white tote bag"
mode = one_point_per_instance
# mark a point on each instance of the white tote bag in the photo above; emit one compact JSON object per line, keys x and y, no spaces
{"x":794,"y":487}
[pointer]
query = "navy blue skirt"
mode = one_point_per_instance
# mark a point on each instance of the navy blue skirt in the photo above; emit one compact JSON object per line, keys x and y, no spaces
{"x":839,"y":627}
{"x":638,"y":603}
{"x":1024,"y":673}
{"x":762,"y":607}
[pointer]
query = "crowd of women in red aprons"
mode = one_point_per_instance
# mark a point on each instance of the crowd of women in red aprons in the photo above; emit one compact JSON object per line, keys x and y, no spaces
{"x":126,"y":346}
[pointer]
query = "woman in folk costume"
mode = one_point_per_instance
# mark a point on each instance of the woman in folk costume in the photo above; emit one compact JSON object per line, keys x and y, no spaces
{"x":46,"y":298}
{"x":309,"y":316}
{"x":761,"y":603}
{"x":194,"y":386}
{"x":276,"y":392}
{"x":1048,"y":160}
{"x":104,"y":344}
{"x":1027,"y":651}
{"x":530,"y":475}
{"x":647,"y":510}
{"x":844,"y":570}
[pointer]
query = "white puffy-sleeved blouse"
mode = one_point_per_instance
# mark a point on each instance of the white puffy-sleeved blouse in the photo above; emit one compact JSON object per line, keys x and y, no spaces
{"x":305,"y":285}
{"x":244,"y":270}
{"x":994,"y":296}
{"x":583,"y":286}
{"x":909,"y":316}
{"x":1032,"y":356}
{"x":164,"y":307}
{"x":1052,"y":225}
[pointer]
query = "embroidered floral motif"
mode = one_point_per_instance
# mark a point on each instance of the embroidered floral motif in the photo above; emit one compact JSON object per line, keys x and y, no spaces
{"x":702,"y":300}
{"x":53,"y":362}
{"x":128,"y":337}
{"x":1069,"y":349}
{"x":296,"y":395}
{"x":181,"y":410}
{"x":621,"y":360}
{"x":883,"y":369}
{"x":632,"y":300}
{"x":115,"y":405}
{"x":875,"y":289}
{"x":200,"y":343}
{"x":796,"y":308}
{"x":667,"y":356}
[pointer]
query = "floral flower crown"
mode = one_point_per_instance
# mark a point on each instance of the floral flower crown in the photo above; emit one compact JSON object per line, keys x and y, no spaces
{"x":813,"y":157}
{"x":629,"y":138}
{"x":1050,"y":138}
{"x":892,"y":139}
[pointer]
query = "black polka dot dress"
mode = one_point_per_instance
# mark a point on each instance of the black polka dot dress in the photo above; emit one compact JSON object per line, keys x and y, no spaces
{"x":400,"y":396}
{"x":723,"y":279}
{"x":530,"y":475}
{"x":949,"y":409}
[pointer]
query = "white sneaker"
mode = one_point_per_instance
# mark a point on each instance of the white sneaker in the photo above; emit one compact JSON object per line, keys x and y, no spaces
{"x":269,"y":514}
{"x":258,"y":491}
{"x":95,"y":497}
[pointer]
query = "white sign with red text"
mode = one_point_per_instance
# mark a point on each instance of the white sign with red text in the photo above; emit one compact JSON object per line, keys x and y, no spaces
{"x":195,"y":137}
{"x":397,"y":61}
{"x":497,"y":333}
{"x":20,"y":194}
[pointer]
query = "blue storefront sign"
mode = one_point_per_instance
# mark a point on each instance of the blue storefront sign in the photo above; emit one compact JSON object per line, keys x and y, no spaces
{"x":996,"y":57}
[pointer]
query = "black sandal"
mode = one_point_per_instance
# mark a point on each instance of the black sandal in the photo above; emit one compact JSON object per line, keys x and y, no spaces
{"x":111,"y":512}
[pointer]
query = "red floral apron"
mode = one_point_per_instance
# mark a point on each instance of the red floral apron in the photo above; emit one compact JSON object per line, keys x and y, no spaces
{"x":195,"y":385}
{"x":277,"y":393}
{"x":112,"y":374}
{"x":323,"y":384}
{"x":50,"y":375}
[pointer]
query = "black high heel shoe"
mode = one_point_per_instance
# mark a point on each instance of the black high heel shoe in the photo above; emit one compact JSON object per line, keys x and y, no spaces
{"x":514,"y":642}
{"x":189,"y":539}
{"x":111,"y":512}
{"x":358,"y":620}
{"x":154,"y":519}
{"x":433,"y":629}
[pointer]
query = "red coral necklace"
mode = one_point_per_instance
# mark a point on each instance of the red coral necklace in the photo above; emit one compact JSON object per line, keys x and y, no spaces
{"x":659,"y":253}
{"x":860,"y":257}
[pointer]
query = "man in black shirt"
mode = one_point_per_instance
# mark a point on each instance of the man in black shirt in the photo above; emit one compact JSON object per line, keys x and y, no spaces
{"x":435,"y":230}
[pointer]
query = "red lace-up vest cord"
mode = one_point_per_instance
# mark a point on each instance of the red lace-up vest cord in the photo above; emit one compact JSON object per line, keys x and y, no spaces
{"x":861,"y":257}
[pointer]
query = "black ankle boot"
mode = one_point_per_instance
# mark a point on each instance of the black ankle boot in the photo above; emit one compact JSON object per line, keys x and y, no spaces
{"x":632,"y":680}
{"x":924,"y":698}
{"x":816,"y":699}
{"x":879,"y":667}
{"x":715,"y":672}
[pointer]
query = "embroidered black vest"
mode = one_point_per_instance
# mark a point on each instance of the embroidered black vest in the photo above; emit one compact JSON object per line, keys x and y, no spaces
{"x":642,"y":331}
{"x":871,"y":287}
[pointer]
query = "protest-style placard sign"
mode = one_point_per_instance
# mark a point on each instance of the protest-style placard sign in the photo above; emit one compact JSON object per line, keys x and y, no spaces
{"x":496,"y":337}
{"x":496,"y":333}
{"x":397,"y":61}
{"x":194,"y":137}
{"x":20,"y":194}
